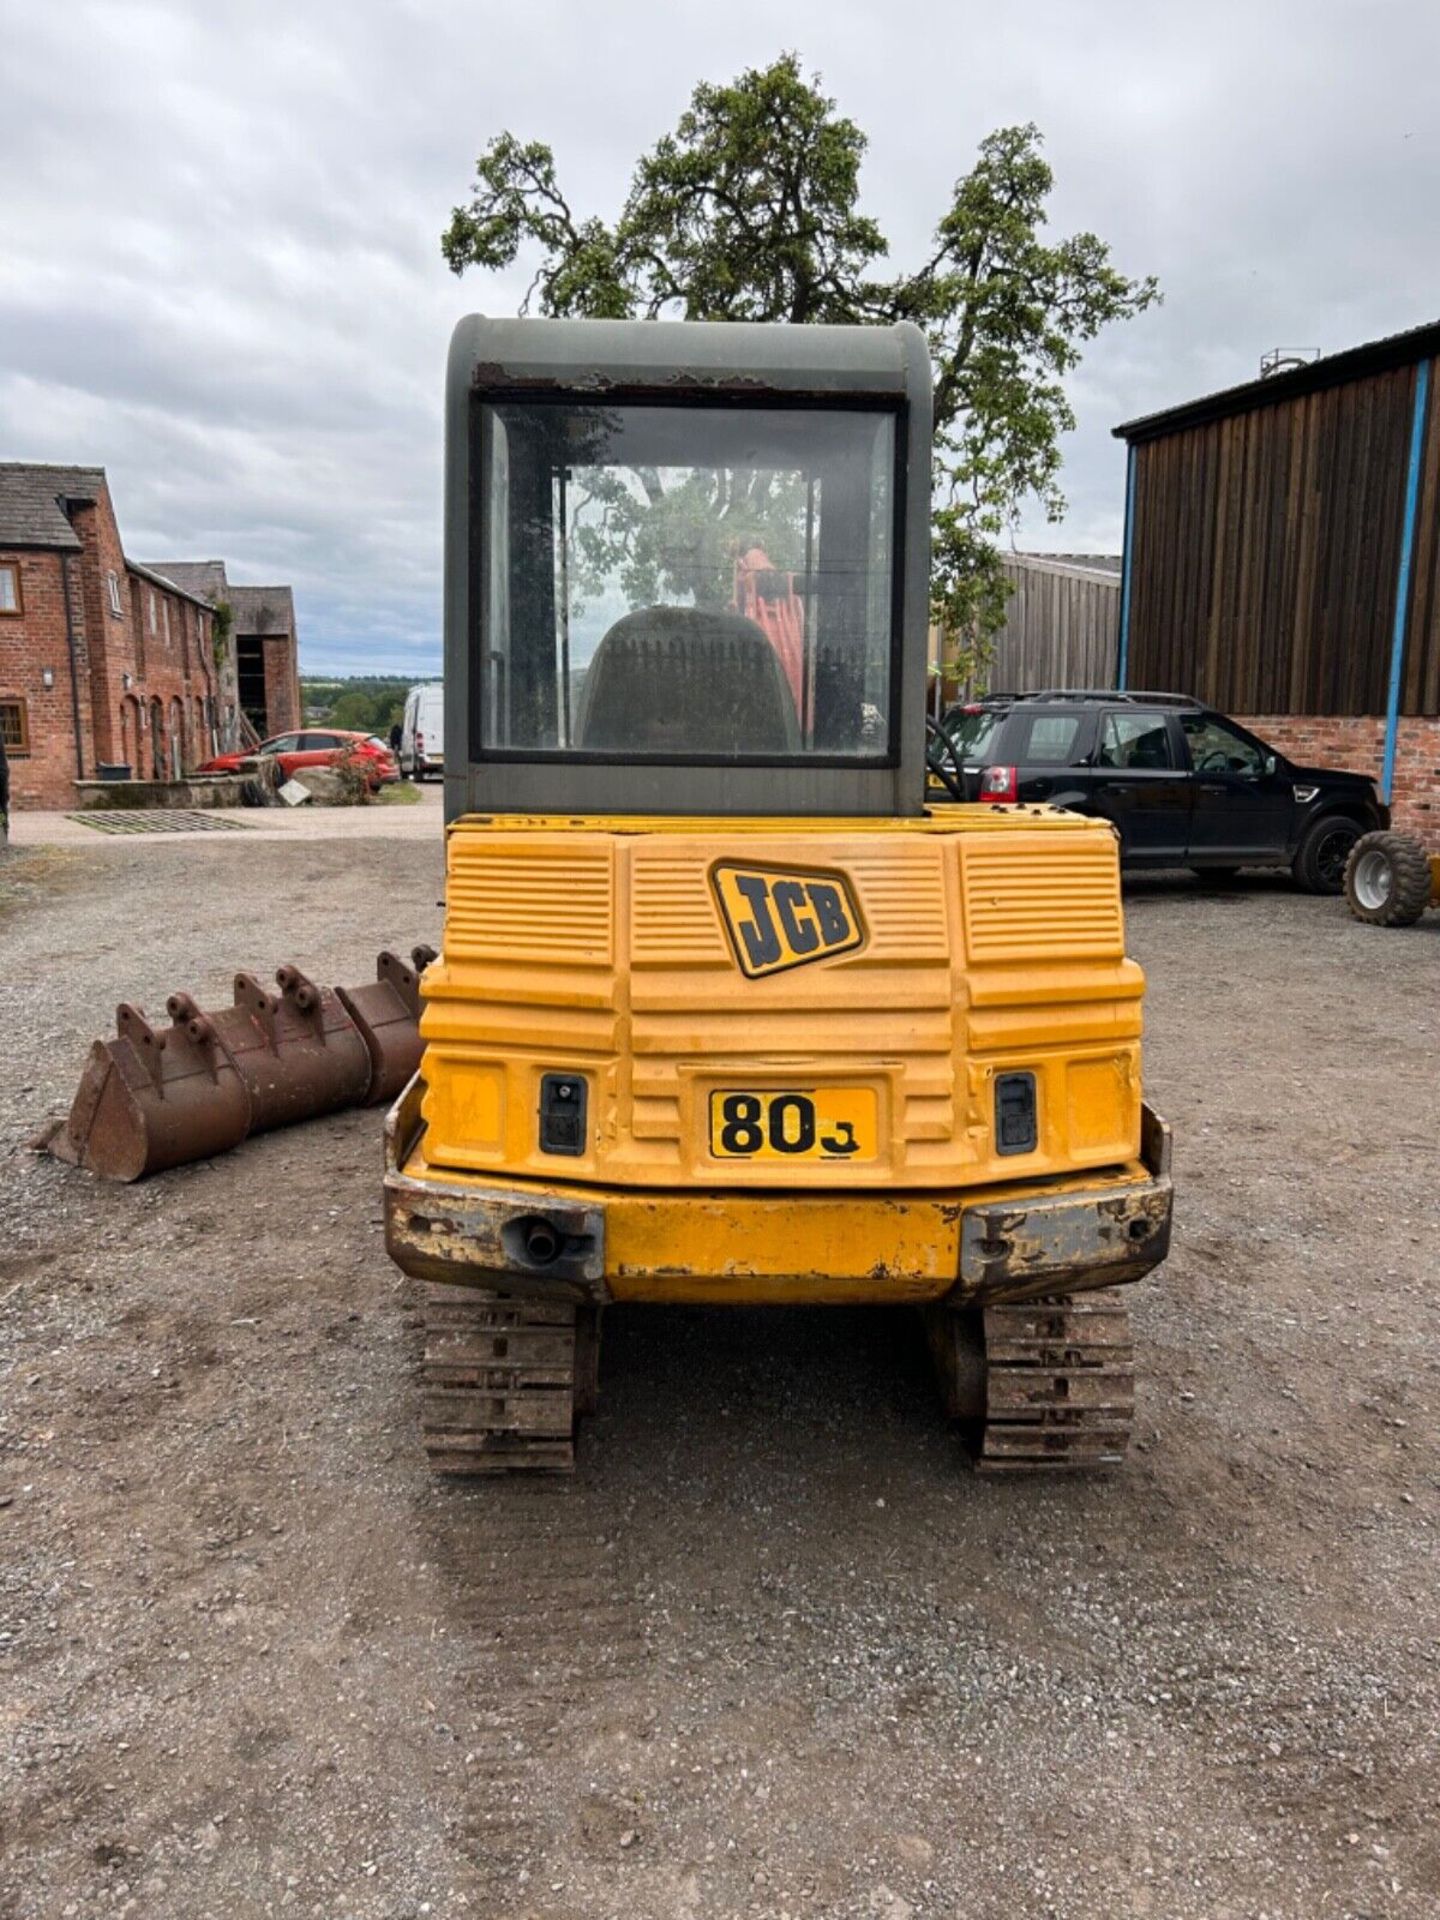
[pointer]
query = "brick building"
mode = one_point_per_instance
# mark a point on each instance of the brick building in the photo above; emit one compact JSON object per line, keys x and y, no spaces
{"x":263,"y":644}
{"x":103,"y":662}
{"x":267,"y":657}
{"x":1282,"y":561}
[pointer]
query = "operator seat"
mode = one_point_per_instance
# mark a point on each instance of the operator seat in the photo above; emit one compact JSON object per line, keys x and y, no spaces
{"x":686,"y":680}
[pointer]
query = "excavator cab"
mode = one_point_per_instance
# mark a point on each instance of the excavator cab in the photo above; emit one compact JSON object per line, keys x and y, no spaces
{"x":728,"y":1010}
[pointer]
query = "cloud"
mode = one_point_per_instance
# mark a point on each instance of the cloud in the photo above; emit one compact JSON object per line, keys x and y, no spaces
{"x":220,"y":277}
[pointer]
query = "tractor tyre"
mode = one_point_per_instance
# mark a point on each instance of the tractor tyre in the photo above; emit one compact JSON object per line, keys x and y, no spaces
{"x":1387,"y":880}
{"x":1319,"y":865}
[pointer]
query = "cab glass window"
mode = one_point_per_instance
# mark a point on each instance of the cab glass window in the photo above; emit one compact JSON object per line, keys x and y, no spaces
{"x":1216,"y":748}
{"x":686,"y":583}
{"x":1135,"y":740}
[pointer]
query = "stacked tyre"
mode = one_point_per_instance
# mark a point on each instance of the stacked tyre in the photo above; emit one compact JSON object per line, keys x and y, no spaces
{"x":1387,"y":880}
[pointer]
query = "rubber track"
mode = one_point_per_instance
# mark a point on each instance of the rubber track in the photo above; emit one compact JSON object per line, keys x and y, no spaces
{"x":1060,"y":1384}
{"x":499,"y":1382}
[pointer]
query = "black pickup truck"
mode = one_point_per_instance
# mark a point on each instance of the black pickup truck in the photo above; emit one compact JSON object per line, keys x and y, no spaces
{"x":1185,"y":786}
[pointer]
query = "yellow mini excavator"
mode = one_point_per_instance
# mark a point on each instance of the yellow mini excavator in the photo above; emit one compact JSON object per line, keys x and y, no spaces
{"x":727,"y":1010}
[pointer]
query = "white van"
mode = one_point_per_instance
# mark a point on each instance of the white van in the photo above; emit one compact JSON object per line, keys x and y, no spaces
{"x":422,"y":732}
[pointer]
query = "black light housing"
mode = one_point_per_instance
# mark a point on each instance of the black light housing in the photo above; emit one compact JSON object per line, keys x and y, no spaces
{"x":563,"y":1101}
{"x":1016,"y":1119}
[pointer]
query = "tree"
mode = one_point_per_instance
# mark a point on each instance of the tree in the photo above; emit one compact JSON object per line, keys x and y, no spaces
{"x":748,"y":211}
{"x":355,"y":711}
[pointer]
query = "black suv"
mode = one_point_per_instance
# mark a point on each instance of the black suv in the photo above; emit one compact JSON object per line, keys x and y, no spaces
{"x":1184,"y":786}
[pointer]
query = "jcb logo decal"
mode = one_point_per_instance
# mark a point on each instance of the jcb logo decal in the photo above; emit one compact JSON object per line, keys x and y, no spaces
{"x":778,"y":917}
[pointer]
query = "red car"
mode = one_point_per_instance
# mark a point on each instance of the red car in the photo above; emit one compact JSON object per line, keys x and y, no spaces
{"x":316,"y":749}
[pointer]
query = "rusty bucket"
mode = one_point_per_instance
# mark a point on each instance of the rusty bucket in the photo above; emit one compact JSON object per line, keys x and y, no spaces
{"x":387,"y":1012}
{"x":155,"y":1098}
{"x":298,"y":1051}
{"x":151,"y":1099}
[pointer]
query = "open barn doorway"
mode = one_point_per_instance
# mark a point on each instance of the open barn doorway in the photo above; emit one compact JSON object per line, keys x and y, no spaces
{"x":250,"y":672}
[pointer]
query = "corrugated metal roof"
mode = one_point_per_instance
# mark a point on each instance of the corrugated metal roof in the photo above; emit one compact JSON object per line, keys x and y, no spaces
{"x":1376,"y":356}
{"x":30,"y":496}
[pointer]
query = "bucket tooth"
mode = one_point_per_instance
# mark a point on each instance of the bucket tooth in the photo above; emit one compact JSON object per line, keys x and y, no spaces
{"x":387,"y":1012}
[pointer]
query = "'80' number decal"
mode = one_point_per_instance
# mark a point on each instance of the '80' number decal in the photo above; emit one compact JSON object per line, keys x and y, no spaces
{"x":812,"y":1123}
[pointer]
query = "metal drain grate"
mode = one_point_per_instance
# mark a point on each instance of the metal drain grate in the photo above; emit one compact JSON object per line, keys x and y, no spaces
{"x":170,"y":820}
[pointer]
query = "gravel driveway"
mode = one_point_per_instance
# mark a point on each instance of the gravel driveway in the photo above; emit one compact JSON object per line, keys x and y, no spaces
{"x":771,"y":1651}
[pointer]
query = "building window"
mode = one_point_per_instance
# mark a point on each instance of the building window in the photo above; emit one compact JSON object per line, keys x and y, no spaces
{"x":15,"y":728}
{"x":112,"y":581}
{"x":152,"y":613}
{"x":10,"y":587}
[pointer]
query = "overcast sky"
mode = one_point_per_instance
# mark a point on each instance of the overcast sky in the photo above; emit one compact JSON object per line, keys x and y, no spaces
{"x":220,"y":275}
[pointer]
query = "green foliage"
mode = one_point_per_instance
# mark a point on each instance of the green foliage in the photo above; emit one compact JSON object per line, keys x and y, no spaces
{"x":355,"y":710}
{"x":748,"y":211}
{"x":682,"y":540}
{"x":362,"y":704}
{"x":221,"y":626}
{"x":352,"y":779}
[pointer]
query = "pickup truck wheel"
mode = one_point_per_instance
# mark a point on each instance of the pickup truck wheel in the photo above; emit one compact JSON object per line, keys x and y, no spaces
{"x":1319,"y":865}
{"x":1387,"y":880}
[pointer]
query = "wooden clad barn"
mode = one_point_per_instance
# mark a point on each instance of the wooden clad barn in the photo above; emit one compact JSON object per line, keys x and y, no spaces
{"x":1062,"y":628}
{"x":1062,"y":623}
{"x":1282,"y":561}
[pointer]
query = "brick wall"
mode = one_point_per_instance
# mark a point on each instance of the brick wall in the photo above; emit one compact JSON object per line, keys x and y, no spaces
{"x":174,"y":672}
{"x":1357,"y":744}
{"x":282,"y":683}
{"x":32,"y":644}
{"x":143,"y":691}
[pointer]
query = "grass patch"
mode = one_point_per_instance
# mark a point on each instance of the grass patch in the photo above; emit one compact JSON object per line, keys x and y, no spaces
{"x":405,"y":794}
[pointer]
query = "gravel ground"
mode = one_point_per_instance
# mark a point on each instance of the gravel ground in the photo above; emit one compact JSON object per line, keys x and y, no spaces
{"x":771,"y":1651}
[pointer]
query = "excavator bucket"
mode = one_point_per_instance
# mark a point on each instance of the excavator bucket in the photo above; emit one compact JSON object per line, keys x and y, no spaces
{"x":298,"y":1051}
{"x":155,"y":1098}
{"x":387,"y":1012}
{"x":151,"y":1099}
